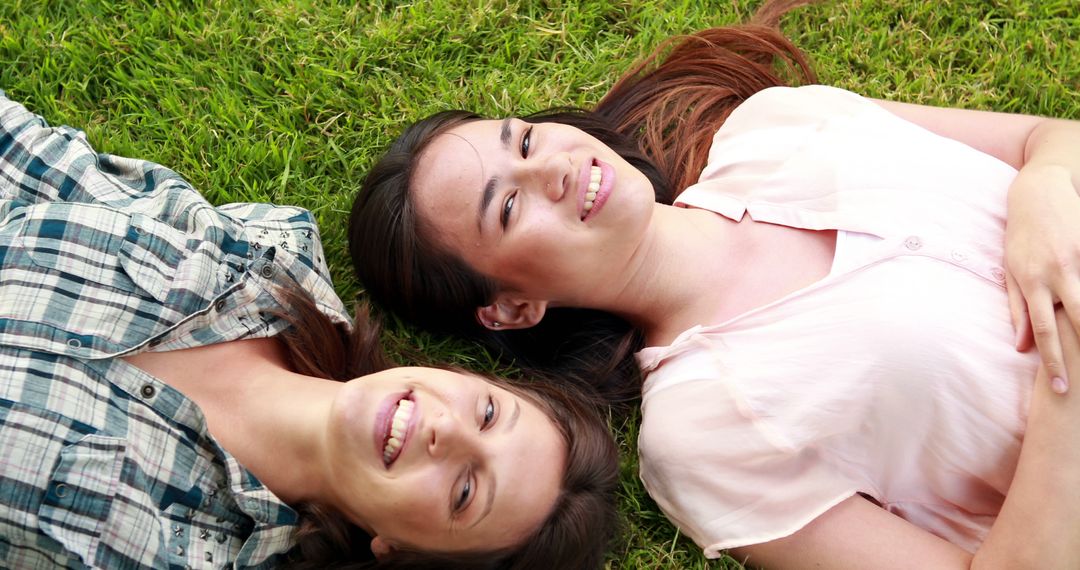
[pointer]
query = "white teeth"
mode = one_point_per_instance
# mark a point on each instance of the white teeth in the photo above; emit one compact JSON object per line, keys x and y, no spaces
{"x":593,"y":188}
{"x":398,"y":426}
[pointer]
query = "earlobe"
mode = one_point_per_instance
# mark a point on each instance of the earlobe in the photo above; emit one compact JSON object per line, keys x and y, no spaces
{"x":381,"y":548}
{"x":511,"y":313}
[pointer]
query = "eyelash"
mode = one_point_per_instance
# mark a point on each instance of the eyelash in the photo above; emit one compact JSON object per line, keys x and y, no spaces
{"x":526,"y":142}
{"x":508,"y":206}
{"x":466,"y":488}
{"x":489,"y":417}
{"x":466,"y":491}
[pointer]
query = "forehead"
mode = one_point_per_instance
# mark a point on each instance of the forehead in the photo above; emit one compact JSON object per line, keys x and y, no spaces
{"x":529,"y":471}
{"x":450,"y":177}
{"x":459,"y":154}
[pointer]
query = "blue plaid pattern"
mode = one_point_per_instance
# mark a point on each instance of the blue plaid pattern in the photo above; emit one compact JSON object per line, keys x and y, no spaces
{"x":102,"y":465}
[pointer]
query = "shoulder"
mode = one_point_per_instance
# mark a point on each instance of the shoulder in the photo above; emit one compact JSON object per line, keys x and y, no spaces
{"x":798,"y":105}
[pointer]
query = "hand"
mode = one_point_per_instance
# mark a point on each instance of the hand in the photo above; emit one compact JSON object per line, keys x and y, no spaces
{"x":1042,"y":262}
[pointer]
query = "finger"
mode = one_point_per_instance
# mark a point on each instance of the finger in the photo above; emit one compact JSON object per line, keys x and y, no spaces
{"x":1069,"y":338}
{"x":1018,"y":313}
{"x":1068,"y":329}
{"x":1044,"y":329}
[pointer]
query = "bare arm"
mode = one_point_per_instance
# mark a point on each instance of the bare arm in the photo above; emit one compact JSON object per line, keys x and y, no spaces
{"x":1042,"y":240}
{"x":1039,"y":523}
{"x":1038,"y":527}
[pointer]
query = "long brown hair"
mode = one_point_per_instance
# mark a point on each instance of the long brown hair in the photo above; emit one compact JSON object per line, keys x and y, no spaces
{"x":574,"y":535}
{"x":674,"y":107}
{"x":660,"y":117}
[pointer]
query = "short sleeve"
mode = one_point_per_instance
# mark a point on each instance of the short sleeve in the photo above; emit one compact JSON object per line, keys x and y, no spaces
{"x":785,"y":118}
{"x":776,"y":123}
{"x":821,"y":158}
{"x":765,"y":150}
{"x":721,"y":477}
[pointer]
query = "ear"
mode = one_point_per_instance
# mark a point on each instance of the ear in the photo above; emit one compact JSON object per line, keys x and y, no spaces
{"x":508,"y":312}
{"x":381,"y":548}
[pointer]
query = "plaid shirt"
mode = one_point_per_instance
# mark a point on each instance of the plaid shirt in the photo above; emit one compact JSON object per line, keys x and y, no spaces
{"x":101,"y":464}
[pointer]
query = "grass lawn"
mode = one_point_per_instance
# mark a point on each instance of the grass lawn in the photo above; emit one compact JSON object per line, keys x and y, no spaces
{"x":291,"y":101}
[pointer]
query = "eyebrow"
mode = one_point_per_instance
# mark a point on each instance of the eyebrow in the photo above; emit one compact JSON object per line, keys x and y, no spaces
{"x":489,"y":189}
{"x":509,"y":425}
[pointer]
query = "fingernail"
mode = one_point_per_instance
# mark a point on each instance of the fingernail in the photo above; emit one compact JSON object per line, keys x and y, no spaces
{"x":1059,"y":385}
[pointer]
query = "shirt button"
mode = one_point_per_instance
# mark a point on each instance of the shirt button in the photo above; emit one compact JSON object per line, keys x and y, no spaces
{"x":998,"y":274}
{"x":74,"y":343}
{"x":147,"y":391}
{"x":913,"y":243}
{"x":155,"y":341}
{"x":267,"y":271}
{"x":219,"y":305}
{"x":61,"y":490}
{"x":139,"y":231}
{"x":959,"y":256}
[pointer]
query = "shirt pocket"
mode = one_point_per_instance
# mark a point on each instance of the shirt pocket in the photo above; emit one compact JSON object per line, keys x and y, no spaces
{"x":154,"y":256}
{"x":80,"y":494}
{"x":97,"y":247}
{"x":78,"y":243}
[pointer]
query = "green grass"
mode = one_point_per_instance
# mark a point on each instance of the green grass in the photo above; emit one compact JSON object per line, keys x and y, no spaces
{"x":290,"y":102}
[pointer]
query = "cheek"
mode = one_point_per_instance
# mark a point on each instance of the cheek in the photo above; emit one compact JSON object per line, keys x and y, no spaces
{"x":418,"y":498}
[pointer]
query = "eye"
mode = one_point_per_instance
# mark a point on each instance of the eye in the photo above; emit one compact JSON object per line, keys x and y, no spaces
{"x":489,"y":413}
{"x":463,"y":498}
{"x":526,"y":139}
{"x":508,"y":207}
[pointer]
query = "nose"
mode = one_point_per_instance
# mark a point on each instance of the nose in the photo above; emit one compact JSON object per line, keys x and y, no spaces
{"x":447,"y":437}
{"x":550,"y":174}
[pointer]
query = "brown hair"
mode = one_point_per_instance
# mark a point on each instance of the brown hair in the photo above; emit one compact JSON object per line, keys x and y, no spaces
{"x":660,"y":117}
{"x":674,"y":107}
{"x":574,"y":535}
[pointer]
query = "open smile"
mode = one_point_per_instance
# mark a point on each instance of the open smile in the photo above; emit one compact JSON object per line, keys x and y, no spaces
{"x":396,"y":420}
{"x":595,"y":185}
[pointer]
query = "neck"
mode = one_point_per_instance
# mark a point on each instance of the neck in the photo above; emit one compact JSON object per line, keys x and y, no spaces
{"x":678,"y":277}
{"x":270,"y":418}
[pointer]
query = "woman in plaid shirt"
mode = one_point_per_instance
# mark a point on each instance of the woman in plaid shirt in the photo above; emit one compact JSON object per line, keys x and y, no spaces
{"x":172,"y":395}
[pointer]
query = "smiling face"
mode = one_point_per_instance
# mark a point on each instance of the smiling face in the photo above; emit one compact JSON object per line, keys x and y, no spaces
{"x":438,"y":460}
{"x":546,"y":210}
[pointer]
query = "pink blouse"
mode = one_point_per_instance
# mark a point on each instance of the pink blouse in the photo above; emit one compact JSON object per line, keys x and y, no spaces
{"x":894,"y":376}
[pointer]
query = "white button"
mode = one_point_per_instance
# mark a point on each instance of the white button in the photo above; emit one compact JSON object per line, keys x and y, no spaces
{"x":913,"y":243}
{"x":959,"y":255}
{"x":998,"y":274}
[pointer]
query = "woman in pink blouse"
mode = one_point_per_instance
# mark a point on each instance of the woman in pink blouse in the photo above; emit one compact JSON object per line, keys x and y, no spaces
{"x":822,"y":314}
